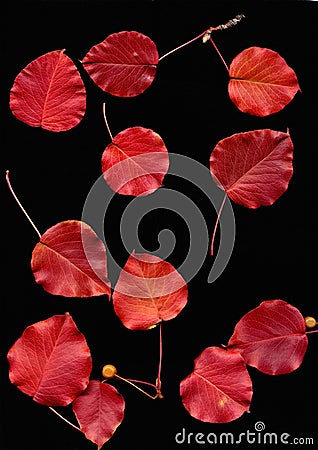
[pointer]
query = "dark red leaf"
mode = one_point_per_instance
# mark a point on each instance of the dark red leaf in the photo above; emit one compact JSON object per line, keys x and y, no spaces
{"x":99,"y":411}
{"x":124,"y":64}
{"x":135,"y":162}
{"x":219,"y":389}
{"x":271,"y":337}
{"x":51,"y":361}
{"x":149,"y":290}
{"x":254,"y":168}
{"x":49,"y":93}
{"x":70,"y":260}
{"x":261,"y":81}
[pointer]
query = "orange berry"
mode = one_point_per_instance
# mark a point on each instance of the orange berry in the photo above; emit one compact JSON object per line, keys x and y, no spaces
{"x":109,"y":371}
{"x":310,"y":322}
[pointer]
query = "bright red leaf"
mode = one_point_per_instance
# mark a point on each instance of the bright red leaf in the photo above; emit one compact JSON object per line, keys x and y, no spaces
{"x":99,"y":411}
{"x":254,"y":168}
{"x":135,"y":162}
{"x":219,"y":389}
{"x":149,"y":290}
{"x":124,"y":64}
{"x":51,"y":361}
{"x":261,"y":81}
{"x":271,"y":337}
{"x":70,"y":260}
{"x":49,"y":93}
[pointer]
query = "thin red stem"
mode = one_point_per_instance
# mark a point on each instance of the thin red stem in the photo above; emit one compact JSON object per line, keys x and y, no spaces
{"x":206,"y":36}
{"x":106,"y":123}
{"x":65,"y":420}
{"x":20,"y":205}
{"x":181,"y":46}
{"x":216,"y":224}
{"x":312,"y":331}
{"x":218,"y":52}
{"x":153,"y":397}
{"x":158,"y":382}
{"x":142,"y":382}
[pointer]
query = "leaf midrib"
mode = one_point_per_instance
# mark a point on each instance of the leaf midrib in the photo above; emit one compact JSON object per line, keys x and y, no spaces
{"x":245,"y":344}
{"x":55,"y":345}
{"x":258,"y":82}
{"x":217,"y":388}
{"x":120,"y":64}
{"x":72,"y":264}
{"x":132,"y":158}
{"x":49,"y":87}
{"x":251,"y":168}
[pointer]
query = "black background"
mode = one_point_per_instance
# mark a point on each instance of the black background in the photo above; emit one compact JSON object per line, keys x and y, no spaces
{"x":188,"y":105}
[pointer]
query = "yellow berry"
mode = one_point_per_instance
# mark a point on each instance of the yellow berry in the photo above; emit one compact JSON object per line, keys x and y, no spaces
{"x":109,"y":371}
{"x":310,"y":322}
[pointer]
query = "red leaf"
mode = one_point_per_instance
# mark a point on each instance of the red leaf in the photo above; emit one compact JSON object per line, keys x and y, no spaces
{"x":135,"y":162}
{"x":99,"y":411}
{"x":51,"y":361}
{"x":70,"y":260}
{"x":254,"y":168}
{"x":219,"y":389}
{"x":148,"y":291}
{"x":49,"y":93}
{"x":261,"y":81}
{"x":124,"y":64}
{"x":271,"y":337}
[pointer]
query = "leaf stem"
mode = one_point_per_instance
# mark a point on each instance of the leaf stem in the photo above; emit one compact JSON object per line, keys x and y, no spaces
{"x":158,"y":381}
{"x":142,"y":382}
{"x":20,"y":205}
{"x":181,"y":46}
{"x":106,"y":123}
{"x":216,"y":224}
{"x":219,"y":53}
{"x":63,"y":418}
{"x":153,"y":397}
{"x":206,"y":35}
{"x":312,"y":331}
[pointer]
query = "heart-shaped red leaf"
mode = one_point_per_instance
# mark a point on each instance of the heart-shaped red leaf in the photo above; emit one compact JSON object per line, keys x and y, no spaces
{"x":49,"y":93}
{"x":70,"y":260}
{"x":99,"y":411}
{"x":149,"y":290}
{"x":261,"y":81}
{"x":271,"y":337}
{"x":135,"y":162}
{"x":51,"y":361}
{"x":219,"y":389}
{"x":254,"y":168}
{"x":124,"y":64}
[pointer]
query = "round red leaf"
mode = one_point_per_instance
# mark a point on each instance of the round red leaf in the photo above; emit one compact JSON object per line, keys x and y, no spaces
{"x":124,"y":64}
{"x":261,"y":81}
{"x":148,"y":291}
{"x":99,"y":411}
{"x":70,"y":260}
{"x":271,"y":337}
{"x":135,"y":162}
{"x":49,"y":93}
{"x":254,"y":168}
{"x":219,"y":389}
{"x":51,"y":361}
